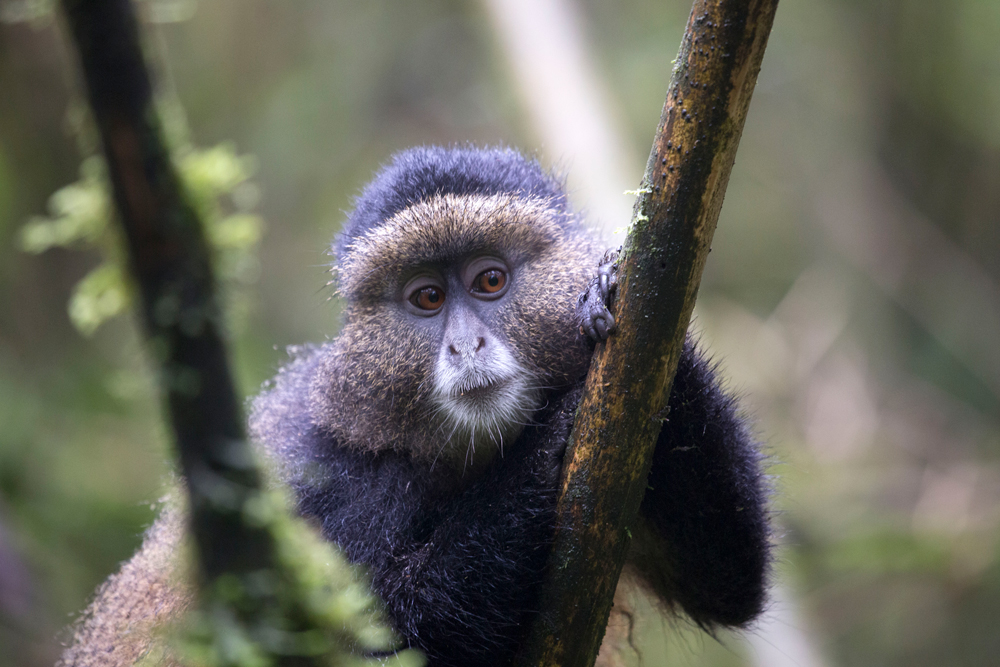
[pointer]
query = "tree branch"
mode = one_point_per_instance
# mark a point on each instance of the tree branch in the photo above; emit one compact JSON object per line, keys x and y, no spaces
{"x":619,"y":418}
{"x":313,"y":608}
{"x":170,"y":260}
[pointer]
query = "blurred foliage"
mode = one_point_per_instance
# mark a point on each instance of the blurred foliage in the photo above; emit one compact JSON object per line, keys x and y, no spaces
{"x":43,"y":11}
{"x":311,"y":585}
{"x":851,"y":293}
{"x":81,"y":215}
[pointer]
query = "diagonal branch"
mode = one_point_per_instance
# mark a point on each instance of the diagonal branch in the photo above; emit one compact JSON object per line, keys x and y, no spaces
{"x":170,"y":260}
{"x":604,"y":476}
{"x":271,"y":591}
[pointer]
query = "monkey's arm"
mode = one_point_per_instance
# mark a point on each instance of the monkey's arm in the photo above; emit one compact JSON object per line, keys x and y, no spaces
{"x":457,"y":572}
{"x":704,"y":542}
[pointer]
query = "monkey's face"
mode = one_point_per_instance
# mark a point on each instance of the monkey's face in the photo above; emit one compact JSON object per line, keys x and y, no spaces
{"x":460,"y":317}
{"x":481,"y":391}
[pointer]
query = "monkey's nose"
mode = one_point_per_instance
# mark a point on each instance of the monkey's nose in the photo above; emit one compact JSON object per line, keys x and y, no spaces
{"x":472,"y":347}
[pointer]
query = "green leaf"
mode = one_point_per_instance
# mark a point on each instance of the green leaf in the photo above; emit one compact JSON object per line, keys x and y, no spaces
{"x":81,"y":216}
{"x":79,"y":213}
{"x":102,"y":294}
{"x":241,"y":231}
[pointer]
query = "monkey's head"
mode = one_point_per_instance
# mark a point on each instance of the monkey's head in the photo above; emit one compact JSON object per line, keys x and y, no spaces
{"x":460,"y":270}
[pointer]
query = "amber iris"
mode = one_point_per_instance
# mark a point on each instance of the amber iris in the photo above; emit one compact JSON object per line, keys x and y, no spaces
{"x":429,"y":298}
{"x":491,"y":281}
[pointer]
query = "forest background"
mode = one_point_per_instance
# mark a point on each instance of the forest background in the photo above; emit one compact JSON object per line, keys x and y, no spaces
{"x":853,"y":294}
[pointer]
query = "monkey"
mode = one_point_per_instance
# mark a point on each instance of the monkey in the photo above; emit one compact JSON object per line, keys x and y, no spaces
{"x":426,"y":439}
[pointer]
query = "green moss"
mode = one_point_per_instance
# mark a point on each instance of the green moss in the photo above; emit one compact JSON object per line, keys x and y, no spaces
{"x":312,"y":605}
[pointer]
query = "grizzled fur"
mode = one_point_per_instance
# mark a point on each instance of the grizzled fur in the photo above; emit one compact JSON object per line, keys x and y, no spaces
{"x":456,"y":567}
{"x":119,"y":626}
{"x":458,"y":555}
{"x":420,"y":173}
{"x":373,"y":392}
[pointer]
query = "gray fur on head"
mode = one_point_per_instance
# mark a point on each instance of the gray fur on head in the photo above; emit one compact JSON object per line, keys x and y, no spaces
{"x":420,"y":173}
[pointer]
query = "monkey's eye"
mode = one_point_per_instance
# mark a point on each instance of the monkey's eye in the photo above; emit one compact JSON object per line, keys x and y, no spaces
{"x":428,"y":298}
{"x":489,"y":282}
{"x":488,"y":277}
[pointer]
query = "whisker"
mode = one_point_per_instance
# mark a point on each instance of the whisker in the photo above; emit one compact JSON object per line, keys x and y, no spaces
{"x":443,"y":445}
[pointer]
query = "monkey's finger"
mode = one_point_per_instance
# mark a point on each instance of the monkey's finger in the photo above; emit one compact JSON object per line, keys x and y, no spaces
{"x":602,"y":328}
{"x":605,"y":285}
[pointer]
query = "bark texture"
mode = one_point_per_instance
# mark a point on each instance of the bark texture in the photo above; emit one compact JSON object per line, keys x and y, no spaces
{"x":604,"y":476}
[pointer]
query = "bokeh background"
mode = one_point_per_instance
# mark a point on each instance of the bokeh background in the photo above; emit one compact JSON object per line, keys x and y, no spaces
{"x":852,"y":292}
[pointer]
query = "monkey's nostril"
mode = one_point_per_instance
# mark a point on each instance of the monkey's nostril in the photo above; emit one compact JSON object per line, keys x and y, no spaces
{"x":480,"y":344}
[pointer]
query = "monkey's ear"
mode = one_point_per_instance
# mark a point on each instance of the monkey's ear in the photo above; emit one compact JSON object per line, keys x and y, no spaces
{"x":593,"y":308}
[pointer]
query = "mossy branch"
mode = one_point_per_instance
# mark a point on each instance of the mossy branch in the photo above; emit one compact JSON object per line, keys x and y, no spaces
{"x":170,"y":261}
{"x":619,"y":418}
{"x":270,"y":589}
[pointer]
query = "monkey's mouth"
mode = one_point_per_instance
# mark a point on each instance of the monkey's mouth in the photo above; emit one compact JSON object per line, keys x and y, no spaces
{"x":485,"y":410}
{"x":481,"y":392}
{"x":485,"y":404}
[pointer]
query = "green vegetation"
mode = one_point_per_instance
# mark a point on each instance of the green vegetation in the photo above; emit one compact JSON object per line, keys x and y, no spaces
{"x":312,"y":580}
{"x":850,"y":294}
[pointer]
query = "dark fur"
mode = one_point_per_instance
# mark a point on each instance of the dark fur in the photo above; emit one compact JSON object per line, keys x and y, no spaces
{"x":458,"y":556}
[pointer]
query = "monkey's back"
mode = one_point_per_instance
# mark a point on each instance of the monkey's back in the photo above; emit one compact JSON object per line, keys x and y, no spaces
{"x":124,"y":621}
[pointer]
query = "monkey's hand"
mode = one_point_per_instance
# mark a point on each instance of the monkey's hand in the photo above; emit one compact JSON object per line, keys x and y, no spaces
{"x":593,"y":308}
